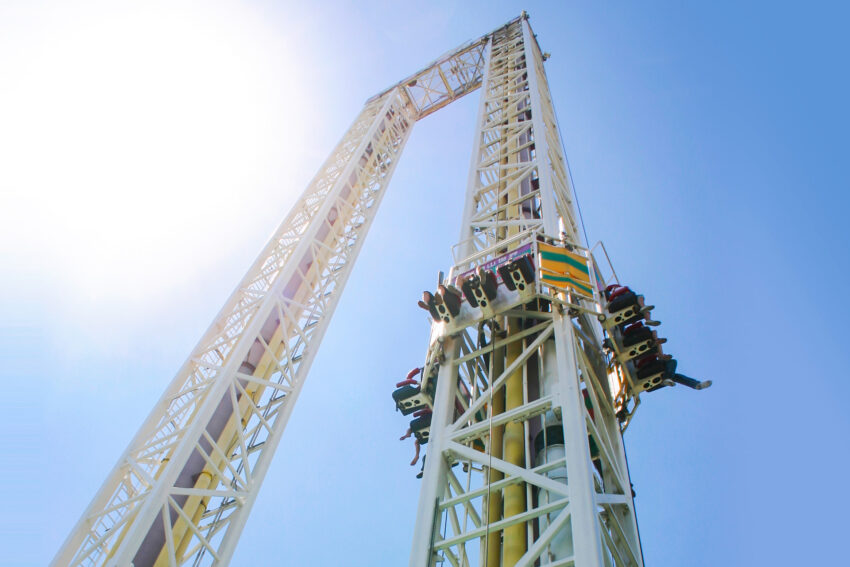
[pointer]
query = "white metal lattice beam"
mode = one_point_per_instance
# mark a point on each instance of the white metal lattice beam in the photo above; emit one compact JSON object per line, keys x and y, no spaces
{"x":518,"y":190}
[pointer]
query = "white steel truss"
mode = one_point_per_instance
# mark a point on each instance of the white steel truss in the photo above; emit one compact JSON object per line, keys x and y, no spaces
{"x":525,"y":461}
{"x":182,"y":491}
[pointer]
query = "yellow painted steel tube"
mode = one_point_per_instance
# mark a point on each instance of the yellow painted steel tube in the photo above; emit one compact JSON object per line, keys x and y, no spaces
{"x":514,"y":499}
{"x":494,"y":500}
{"x":514,"y":542}
{"x":205,"y":481}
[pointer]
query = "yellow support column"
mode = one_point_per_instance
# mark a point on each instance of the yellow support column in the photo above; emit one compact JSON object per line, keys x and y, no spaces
{"x":494,"y":499}
{"x":515,"y":536}
{"x":205,"y":482}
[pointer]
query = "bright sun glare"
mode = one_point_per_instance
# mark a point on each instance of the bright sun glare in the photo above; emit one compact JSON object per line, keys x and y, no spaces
{"x":127,"y":131}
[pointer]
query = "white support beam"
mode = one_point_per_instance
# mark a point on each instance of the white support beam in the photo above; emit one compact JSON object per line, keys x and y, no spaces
{"x":544,"y":538}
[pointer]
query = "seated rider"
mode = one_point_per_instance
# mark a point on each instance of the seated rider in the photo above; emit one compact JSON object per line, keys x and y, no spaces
{"x":637,"y":333}
{"x":670,"y":374}
{"x":422,"y":416}
{"x":669,"y":377}
{"x":418,"y":447}
{"x":621,"y":297}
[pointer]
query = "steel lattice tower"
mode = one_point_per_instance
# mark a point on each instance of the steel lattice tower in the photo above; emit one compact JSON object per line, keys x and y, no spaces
{"x":526,"y":464}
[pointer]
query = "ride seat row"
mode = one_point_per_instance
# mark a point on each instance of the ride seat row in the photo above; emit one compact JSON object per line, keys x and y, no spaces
{"x":479,"y":289}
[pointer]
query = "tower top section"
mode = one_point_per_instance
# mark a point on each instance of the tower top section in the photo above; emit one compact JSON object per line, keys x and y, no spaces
{"x":448,"y":77}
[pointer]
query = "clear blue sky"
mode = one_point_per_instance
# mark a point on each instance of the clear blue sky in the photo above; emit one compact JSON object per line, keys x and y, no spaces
{"x":147,"y":153}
